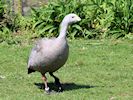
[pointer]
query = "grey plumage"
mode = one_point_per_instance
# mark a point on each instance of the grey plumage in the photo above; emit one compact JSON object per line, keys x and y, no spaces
{"x":48,"y":55}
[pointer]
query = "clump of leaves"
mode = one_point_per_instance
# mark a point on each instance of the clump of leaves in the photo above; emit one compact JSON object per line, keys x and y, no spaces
{"x":100,"y":18}
{"x":4,"y":23}
{"x":123,"y":18}
{"x":112,"y":18}
{"x":7,"y":25}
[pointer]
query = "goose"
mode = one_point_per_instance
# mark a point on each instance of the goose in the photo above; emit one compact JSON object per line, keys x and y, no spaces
{"x":50,"y":54}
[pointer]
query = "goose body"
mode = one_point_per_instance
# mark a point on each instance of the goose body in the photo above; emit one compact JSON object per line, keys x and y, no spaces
{"x":48,"y":55}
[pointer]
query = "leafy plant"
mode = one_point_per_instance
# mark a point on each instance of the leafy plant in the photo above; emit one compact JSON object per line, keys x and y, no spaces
{"x":7,"y":25}
{"x":123,"y":19}
{"x":4,"y":23}
{"x":110,"y":18}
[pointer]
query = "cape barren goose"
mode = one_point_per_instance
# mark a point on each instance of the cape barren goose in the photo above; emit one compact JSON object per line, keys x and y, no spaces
{"x":48,"y":55}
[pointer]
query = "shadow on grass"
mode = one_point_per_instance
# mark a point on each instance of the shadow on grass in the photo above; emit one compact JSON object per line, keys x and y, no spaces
{"x":66,"y":86}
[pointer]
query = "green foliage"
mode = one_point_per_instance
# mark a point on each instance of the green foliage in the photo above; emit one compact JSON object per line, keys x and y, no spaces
{"x":10,"y":24}
{"x":21,"y":22}
{"x":100,"y":19}
{"x":1,"y":9}
{"x":115,"y":17}
{"x":5,"y":23}
{"x":123,"y":20}
{"x":111,"y":18}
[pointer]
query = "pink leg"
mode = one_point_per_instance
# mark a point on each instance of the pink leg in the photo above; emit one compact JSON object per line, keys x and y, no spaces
{"x":45,"y":83}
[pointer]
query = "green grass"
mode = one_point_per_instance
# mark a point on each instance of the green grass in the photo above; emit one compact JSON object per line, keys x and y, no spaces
{"x":96,"y":70}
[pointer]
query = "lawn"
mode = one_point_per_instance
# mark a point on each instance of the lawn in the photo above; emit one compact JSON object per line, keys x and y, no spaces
{"x":95,"y":70}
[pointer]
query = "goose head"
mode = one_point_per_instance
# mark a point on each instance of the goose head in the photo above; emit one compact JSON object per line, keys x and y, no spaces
{"x":71,"y":18}
{"x":68,"y":19}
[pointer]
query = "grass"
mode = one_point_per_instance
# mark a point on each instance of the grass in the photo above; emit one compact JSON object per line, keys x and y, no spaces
{"x":96,"y":70}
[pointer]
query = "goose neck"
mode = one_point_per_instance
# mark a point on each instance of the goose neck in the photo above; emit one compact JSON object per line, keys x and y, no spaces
{"x":63,"y":30}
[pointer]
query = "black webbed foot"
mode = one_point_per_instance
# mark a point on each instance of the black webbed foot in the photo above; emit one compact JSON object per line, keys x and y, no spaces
{"x":57,"y":83}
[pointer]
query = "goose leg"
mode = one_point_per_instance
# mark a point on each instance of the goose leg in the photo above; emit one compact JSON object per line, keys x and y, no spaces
{"x":45,"y":83}
{"x":57,"y":82}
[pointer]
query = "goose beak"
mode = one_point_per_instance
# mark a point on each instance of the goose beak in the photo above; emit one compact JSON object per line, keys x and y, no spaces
{"x":78,"y":19}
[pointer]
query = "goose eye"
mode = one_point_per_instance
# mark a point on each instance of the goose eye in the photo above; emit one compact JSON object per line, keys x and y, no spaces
{"x":72,"y":16}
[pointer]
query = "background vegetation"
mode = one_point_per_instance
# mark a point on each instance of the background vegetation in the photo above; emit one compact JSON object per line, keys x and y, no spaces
{"x":100,"y":19}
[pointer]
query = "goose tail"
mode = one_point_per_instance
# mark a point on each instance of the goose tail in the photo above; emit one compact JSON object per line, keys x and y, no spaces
{"x":30,"y":70}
